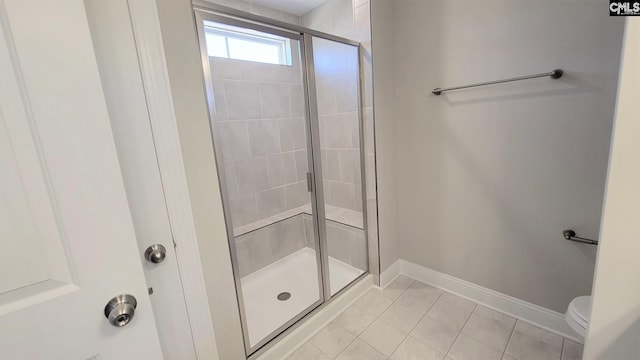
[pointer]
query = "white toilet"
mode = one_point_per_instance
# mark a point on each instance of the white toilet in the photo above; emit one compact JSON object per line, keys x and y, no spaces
{"x":577,"y":315}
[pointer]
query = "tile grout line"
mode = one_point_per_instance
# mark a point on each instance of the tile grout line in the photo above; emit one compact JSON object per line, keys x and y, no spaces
{"x":509,"y":339}
{"x":440,"y":322}
{"x":436,"y":320}
{"x":513,"y":330}
{"x":409,"y":333}
{"x":460,"y":332}
{"x":421,"y":318}
{"x":425,"y":313}
{"x":357,"y":337}
{"x":363,"y":331}
{"x":378,"y":318}
{"x":394,"y":301}
{"x":333,"y":320}
{"x":346,"y":347}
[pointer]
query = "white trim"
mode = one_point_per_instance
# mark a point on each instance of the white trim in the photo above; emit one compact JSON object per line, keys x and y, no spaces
{"x":519,"y":309}
{"x":292,"y":341}
{"x":389,"y":274}
{"x":148,"y":38}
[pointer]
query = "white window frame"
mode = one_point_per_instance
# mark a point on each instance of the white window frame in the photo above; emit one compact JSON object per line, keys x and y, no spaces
{"x":282,"y":44}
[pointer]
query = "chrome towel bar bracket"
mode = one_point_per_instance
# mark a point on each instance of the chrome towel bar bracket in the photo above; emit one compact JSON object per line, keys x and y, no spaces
{"x":554,"y":74}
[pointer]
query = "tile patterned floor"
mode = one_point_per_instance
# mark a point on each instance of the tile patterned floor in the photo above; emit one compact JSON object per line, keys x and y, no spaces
{"x":411,"y":320}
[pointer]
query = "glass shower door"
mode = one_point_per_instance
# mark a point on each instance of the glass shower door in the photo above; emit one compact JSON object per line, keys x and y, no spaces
{"x":257,"y":91}
{"x":336,"y":69}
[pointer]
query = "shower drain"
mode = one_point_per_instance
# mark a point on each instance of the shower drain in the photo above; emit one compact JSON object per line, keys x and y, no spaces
{"x":284,"y":296}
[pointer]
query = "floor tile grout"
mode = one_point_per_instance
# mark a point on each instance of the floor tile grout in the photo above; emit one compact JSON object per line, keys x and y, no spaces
{"x":440,"y":322}
{"x":513,"y":329}
{"x":414,"y":326}
{"x":354,"y":339}
{"x":418,"y":322}
{"x":459,"y":332}
{"x":406,"y":334}
{"x":378,"y":318}
{"x":365,"y":329}
{"x":388,"y":307}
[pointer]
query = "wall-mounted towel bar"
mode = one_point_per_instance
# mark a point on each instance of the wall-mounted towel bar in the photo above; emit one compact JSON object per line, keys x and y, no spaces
{"x":571,"y":235}
{"x":554,"y":74}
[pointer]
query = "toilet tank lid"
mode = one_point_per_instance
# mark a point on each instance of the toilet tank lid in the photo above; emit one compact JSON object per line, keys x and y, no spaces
{"x":582,"y":307}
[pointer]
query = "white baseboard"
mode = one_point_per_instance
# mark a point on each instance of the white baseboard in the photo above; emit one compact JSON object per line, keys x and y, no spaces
{"x":519,"y":309}
{"x":390,"y":274}
{"x":298,"y":336}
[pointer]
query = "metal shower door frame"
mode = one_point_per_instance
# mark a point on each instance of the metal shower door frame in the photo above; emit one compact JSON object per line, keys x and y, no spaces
{"x":217,"y":13}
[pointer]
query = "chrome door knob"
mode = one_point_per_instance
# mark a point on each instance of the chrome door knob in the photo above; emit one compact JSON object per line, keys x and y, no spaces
{"x":155,"y":253}
{"x":120,"y":310}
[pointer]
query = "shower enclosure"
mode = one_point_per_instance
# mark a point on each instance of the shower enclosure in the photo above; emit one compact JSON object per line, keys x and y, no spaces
{"x":286,"y":120}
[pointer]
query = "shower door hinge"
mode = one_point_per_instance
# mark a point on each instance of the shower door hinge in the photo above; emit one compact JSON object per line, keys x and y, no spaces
{"x":309,"y":182}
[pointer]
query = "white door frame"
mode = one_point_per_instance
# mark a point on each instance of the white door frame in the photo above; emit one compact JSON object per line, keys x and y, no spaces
{"x":151,"y":55}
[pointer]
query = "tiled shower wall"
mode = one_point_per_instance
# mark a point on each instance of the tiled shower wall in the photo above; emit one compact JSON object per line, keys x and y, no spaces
{"x":336,"y":67}
{"x":344,"y":242}
{"x":351,"y":19}
{"x":271,"y":243}
{"x":261,"y":125}
{"x":266,"y":245}
{"x":348,"y":19}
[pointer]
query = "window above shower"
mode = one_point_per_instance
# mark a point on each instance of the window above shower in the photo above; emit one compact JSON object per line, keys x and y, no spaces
{"x":231,"y":42}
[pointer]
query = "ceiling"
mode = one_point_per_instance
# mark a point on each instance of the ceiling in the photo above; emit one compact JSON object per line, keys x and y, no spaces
{"x":295,"y":7}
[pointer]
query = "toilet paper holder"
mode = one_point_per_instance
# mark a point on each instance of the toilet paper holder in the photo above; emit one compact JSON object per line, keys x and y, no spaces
{"x":571,"y":236}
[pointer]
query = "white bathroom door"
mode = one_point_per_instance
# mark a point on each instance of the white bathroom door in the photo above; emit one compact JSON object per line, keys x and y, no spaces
{"x":67,"y":244}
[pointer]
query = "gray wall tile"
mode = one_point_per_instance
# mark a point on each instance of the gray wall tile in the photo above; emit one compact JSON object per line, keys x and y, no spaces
{"x":275,"y":100}
{"x":338,"y":132}
{"x":271,"y":202}
{"x":296,"y":101}
{"x":292,"y":134}
{"x":269,"y":244}
{"x":302,"y":165}
{"x":220,"y":100}
{"x":349,"y":166}
{"x":242,"y":100}
{"x":342,"y":195}
{"x":243,"y":209}
{"x":251,"y":174}
{"x":281,"y":168}
{"x":257,"y":138}
{"x":331,"y":164}
{"x":296,"y":195}
{"x":230,"y":176}
{"x":235,"y":139}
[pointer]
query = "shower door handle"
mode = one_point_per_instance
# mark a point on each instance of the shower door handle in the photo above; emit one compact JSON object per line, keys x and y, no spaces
{"x":309,"y":182}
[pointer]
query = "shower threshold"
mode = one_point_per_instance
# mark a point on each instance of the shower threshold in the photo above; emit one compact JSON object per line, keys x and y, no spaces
{"x":296,"y":274}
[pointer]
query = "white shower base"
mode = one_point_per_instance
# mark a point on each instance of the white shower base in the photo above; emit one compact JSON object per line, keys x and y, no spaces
{"x":296,"y":274}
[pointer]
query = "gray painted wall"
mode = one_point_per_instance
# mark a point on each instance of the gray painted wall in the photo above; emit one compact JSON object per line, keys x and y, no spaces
{"x":488,"y":178}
